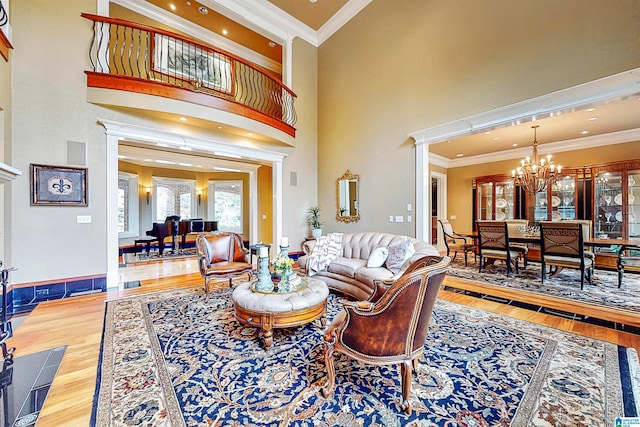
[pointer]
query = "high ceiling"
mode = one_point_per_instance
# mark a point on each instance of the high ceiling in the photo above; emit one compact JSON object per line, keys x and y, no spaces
{"x":312,"y":13}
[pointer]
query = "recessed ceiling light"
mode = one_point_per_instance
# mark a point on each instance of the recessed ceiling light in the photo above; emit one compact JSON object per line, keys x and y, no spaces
{"x":250,"y":134}
{"x":203,"y":10}
{"x":459,"y":155}
{"x":188,"y":3}
{"x":313,"y":1}
{"x":584,"y":132}
{"x":226,"y":169}
{"x":495,"y":138}
{"x":592,"y":119}
{"x":165,"y":162}
{"x":514,"y":145}
{"x":183,"y":119}
{"x":591,"y":109}
{"x":272,"y":44}
{"x":185,"y":148}
{"x":172,"y":6}
{"x":488,"y":132}
{"x":219,"y":127}
{"x":185,"y":164}
{"x":225,"y":32}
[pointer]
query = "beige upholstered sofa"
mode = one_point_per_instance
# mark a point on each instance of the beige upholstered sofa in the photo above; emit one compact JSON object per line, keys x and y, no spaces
{"x":348,"y":273}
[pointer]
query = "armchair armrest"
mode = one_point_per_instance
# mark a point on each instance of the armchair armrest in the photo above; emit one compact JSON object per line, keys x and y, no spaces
{"x":379,"y":288}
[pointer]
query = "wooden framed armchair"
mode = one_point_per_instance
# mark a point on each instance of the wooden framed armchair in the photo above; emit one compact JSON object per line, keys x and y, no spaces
{"x":493,"y":243}
{"x":628,"y":259}
{"x":391,"y":330}
{"x":221,"y":256}
{"x":456,"y":242}
{"x":563,"y":247}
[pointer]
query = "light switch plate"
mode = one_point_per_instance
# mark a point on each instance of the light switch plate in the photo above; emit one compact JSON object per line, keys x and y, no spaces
{"x":408,"y":218}
{"x":390,"y":218}
{"x":452,"y":217}
{"x":409,"y":207}
{"x":83,"y":219}
{"x":399,"y":218}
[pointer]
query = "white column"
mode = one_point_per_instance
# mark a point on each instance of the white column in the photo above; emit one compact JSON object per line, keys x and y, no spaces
{"x":277,"y":202}
{"x":287,"y":62}
{"x":111,"y":193}
{"x":253,"y":206}
{"x":423,"y":193}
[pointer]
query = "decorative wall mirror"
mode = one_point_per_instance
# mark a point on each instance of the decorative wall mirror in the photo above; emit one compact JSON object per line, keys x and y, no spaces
{"x":348,"y":197}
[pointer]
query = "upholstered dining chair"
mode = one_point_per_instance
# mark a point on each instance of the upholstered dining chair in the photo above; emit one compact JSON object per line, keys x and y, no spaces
{"x":562,"y":246}
{"x":221,"y":255}
{"x":517,"y":228}
{"x":456,"y":242}
{"x":493,"y":244}
{"x":628,"y":259}
{"x":391,"y":330}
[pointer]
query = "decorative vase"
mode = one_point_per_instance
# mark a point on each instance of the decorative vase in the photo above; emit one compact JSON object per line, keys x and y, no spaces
{"x":316,"y":232}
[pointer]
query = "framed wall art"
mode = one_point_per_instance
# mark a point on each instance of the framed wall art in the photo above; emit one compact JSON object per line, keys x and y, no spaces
{"x":58,"y":186}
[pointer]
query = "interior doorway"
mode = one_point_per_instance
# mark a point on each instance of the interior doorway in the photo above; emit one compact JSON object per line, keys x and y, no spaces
{"x":438,"y":207}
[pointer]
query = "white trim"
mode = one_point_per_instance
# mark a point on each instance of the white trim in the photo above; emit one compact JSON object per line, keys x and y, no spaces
{"x":188,"y":27}
{"x":342,"y":16}
{"x":133,"y":217}
{"x":438,"y":160}
{"x":607,"y":89}
{"x":211,"y":203}
{"x":423,"y":189}
{"x":8,"y":173}
{"x":111,"y":193}
{"x":441,"y":179}
{"x":159,"y":179}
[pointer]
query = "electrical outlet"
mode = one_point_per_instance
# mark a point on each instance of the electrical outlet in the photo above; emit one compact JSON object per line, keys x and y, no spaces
{"x":453,"y":217}
{"x":409,"y":207}
{"x":399,"y":218}
{"x":390,"y":218}
{"x":264,"y":217}
{"x":83,"y":219}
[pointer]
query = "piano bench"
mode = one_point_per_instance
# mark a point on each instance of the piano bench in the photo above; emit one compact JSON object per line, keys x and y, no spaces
{"x":145,"y":243}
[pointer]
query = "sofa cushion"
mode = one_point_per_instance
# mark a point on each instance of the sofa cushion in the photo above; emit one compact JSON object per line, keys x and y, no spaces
{"x":378,"y":257}
{"x":398,"y":254}
{"x":346,"y":266}
{"x":368,"y":275}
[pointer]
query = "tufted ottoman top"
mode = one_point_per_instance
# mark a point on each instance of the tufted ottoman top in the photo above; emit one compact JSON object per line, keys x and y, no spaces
{"x":315,"y":293}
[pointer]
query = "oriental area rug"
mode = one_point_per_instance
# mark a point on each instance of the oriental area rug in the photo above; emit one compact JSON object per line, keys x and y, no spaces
{"x":176,"y":359}
{"x":566,"y":285}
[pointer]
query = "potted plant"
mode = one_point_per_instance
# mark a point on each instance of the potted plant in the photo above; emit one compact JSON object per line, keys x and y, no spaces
{"x":313,"y":218}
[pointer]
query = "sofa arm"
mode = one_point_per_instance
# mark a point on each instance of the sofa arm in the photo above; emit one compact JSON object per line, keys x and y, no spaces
{"x":307,"y":246}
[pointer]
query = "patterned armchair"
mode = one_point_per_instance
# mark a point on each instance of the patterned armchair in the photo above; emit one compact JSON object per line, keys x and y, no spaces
{"x":563,"y":247}
{"x":221,"y":256}
{"x":392,"y":329}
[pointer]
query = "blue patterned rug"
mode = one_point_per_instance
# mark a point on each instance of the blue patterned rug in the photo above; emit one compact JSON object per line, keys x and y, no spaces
{"x":566,"y":285}
{"x":174,"y":359}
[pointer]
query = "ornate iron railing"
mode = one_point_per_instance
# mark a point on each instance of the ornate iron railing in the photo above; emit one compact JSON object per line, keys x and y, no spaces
{"x":134,"y":57}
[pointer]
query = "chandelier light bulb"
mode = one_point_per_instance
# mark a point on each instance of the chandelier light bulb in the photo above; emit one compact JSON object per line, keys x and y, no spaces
{"x":535,"y":175}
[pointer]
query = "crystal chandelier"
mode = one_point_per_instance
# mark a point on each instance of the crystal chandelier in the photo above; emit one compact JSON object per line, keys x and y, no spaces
{"x":535,"y":175}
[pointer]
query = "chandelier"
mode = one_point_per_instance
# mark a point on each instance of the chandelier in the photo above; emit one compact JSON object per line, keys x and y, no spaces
{"x":534,"y":175}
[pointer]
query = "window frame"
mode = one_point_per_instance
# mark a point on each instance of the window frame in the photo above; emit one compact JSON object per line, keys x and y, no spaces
{"x":160,"y":180}
{"x":211,"y":208}
{"x":134,"y":205}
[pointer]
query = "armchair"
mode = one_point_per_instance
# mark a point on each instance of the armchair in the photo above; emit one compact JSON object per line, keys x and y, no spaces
{"x":493,"y":243}
{"x":628,"y":259}
{"x":563,"y":247}
{"x":221,"y":256}
{"x":456,"y":242}
{"x":390,"y":330}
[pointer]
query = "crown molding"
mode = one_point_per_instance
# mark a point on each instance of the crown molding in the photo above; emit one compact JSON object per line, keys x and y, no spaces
{"x":607,"y":89}
{"x":147,"y":9}
{"x":595,"y":141}
{"x":438,"y":160}
{"x":337,"y":21}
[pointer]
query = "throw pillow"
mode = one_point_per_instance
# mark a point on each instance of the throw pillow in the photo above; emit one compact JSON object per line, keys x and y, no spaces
{"x":378,"y":257}
{"x":397,"y":254}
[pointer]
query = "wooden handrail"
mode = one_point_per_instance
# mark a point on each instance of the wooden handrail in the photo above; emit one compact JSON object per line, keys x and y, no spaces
{"x":122,"y":49}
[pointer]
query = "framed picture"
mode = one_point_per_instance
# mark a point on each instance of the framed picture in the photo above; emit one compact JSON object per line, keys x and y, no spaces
{"x":58,"y":186}
{"x":186,"y":61}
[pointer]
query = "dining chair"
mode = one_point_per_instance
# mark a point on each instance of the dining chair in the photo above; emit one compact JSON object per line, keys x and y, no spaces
{"x":562,"y":246}
{"x":456,"y":242}
{"x":493,"y":244}
{"x":518,"y":228}
{"x":628,"y":259}
{"x":391,"y":330}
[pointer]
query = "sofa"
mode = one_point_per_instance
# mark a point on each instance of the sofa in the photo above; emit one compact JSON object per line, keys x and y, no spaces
{"x":349,"y":273}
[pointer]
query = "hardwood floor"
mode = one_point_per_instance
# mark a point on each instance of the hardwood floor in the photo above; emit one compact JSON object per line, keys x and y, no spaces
{"x":78,"y":322}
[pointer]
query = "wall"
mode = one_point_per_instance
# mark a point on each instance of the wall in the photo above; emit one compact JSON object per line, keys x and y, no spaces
{"x":5,"y":145}
{"x":396,"y":68}
{"x":459,"y":179}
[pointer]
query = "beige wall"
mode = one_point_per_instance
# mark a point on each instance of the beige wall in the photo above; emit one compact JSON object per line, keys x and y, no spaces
{"x":397,"y":68}
{"x":459,"y":201}
{"x":5,"y":153}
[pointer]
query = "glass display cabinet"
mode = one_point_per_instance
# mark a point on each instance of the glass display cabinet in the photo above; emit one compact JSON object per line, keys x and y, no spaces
{"x":559,"y":201}
{"x":495,"y":198}
{"x":616,"y":201}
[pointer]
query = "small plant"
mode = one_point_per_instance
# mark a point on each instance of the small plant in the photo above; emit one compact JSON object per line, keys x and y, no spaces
{"x":313,"y":217}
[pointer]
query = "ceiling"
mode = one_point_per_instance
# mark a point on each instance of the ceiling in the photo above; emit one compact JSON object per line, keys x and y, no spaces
{"x":311,"y":13}
{"x":599,"y":120}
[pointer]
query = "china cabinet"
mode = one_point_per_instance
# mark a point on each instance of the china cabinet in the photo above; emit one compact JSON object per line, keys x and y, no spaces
{"x":567,"y":198}
{"x":497,"y":198}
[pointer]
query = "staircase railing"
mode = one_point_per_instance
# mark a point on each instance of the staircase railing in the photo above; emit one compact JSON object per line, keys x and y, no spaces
{"x":128,"y":56}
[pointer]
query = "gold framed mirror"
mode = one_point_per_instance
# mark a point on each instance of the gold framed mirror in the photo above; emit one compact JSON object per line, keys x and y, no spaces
{"x":348,"y":197}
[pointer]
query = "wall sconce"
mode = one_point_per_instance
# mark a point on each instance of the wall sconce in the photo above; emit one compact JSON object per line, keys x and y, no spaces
{"x":199,"y":193}
{"x":148,"y":190}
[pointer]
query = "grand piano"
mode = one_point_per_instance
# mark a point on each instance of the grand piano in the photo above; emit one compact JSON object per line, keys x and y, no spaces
{"x":173,"y":226}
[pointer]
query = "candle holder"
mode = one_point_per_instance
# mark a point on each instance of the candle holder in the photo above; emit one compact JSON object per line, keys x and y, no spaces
{"x":284,"y":251}
{"x":264,"y":275}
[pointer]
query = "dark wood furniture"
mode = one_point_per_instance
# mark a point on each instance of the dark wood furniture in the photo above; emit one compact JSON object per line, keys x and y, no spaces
{"x":195,"y":225}
{"x":563,"y":247}
{"x":628,"y":259}
{"x":456,"y":242}
{"x":145,"y":244}
{"x":493,"y":244}
{"x":391,"y":330}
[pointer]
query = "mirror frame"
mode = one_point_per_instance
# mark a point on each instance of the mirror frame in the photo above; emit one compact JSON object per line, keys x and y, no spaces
{"x":347,"y":218}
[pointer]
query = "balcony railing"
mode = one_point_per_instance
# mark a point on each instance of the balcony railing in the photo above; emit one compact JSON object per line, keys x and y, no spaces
{"x":138,"y":58}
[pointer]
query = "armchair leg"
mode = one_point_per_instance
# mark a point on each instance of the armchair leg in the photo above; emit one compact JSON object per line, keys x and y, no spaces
{"x":331,"y":373}
{"x":405,"y":370}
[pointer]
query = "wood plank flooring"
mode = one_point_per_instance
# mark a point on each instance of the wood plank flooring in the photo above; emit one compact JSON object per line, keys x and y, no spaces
{"x":78,"y":322}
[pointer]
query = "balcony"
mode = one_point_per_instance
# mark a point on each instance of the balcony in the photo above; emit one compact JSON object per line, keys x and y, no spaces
{"x":137,"y":58}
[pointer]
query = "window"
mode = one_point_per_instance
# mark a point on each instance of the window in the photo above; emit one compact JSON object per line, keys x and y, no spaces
{"x":225,"y":205}
{"x":128,"y":205}
{"x":173,"y":197}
